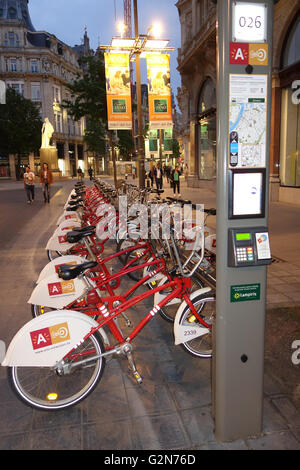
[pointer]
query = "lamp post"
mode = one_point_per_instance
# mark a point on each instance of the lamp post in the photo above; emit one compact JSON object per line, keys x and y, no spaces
{"x":141,"y":152}
{"x":136,"y":46}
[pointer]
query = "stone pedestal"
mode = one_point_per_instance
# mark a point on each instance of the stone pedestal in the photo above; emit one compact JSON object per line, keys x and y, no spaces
{"x":49,"y":155}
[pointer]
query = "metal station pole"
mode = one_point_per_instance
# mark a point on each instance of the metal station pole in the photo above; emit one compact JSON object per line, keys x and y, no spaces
{"x":244,"y":37}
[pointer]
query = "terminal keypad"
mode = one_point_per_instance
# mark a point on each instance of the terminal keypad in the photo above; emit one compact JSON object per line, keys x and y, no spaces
{"x":244,"y":254}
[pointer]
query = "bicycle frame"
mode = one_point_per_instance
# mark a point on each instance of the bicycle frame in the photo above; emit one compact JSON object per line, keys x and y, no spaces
{"x":108,"y":314}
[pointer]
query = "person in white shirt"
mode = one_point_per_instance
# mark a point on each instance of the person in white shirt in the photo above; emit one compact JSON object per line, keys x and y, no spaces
{"x":158,"y":174}
{"x":29,"y":179}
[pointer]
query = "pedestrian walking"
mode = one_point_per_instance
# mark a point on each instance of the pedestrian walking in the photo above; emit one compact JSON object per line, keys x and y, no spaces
{"x":29,"y":179}
{"x":90,"y":172}
{"x":80,"y":173}
{"x":167,"y":172}
{"x":175,"y":177}
{"x":158,"y":174}
{"x":46,"y":179}
{"x":151,"y":175}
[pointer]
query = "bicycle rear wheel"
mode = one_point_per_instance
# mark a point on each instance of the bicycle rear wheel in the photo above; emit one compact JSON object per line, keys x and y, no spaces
{"x":37,"y":310}
{"x":45,"y":388}
{"x":205,"y":305}
{"x":52,"y":254}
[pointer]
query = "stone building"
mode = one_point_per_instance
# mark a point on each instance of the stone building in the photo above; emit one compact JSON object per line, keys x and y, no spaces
{"x":39,"y":66}
{"x":197,"y":96}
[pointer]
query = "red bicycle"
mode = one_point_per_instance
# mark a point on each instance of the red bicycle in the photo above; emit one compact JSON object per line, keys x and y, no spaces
{"x":57,"y":359}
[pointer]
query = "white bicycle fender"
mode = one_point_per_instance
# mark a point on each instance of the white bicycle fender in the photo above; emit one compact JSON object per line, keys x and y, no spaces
{"x":68,"y":216}
{"x":155,"y":278}
{"x":68,"y":225}
{"x":48,"y":338}
{"x":58,"y":242}
{"x":55,"y":293}
{"x":51,"y":267}
{"x":183,"y":333}
{"x":158,"y":297}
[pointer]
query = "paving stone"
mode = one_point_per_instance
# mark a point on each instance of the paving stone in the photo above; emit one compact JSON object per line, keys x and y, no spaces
{"x":149,"y":400}
{"x":160,"y":433}
{"x":199,"y":425}
{"x":235,"y":445}
{"x":287,"y":410}
{"x":111,"y":435}
{"x":60,"y":438}
{"x":274,"y":441}
{"x":272,"y":419}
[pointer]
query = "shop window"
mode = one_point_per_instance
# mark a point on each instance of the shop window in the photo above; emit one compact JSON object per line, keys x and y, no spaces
{"x":290,"y":139}
{"x":206,"y":135}
{"x":291,"y":53}
{"x":4,"y":167}
{"x":290,"y":109}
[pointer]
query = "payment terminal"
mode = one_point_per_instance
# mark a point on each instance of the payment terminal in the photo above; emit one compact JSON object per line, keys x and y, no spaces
{"x":248,"y":247}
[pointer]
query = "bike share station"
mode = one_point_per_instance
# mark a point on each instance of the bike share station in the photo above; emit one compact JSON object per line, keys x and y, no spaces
{"x":244,"y":59}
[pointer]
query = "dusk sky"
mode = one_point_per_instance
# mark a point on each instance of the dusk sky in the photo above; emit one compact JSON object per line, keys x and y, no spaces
{"x":66,"y":19}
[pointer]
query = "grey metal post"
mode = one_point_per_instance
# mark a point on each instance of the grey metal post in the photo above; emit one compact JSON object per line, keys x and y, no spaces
{"x":238,"y":361}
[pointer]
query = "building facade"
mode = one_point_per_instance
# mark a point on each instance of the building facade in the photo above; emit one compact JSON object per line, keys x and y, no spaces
{"x":39,"y":66}
{"x":197,"y":96}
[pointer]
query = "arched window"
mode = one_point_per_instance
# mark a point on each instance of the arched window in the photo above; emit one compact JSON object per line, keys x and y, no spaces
{"x":11,"y":39}
{"x":12,"y":13}
{"x":207,"y":98}
{"x":291,"y":53}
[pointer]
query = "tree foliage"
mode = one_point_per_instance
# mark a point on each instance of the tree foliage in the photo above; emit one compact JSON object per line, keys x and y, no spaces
{"x":88,"y":100}
{"x":125,"y":143}
{"x":20,"y":125}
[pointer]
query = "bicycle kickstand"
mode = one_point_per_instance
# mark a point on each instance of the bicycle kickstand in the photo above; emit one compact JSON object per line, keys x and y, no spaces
{"x":128,"y":351}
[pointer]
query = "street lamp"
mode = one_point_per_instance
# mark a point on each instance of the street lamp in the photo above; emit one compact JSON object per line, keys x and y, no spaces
{"x":138,"y":47}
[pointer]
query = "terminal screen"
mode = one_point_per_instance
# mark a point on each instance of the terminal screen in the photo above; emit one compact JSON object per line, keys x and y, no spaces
{"x":243,"y":236}
{"x":247,"y":194}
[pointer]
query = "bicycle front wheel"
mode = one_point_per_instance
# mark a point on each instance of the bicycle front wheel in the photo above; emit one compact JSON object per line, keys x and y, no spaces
{"x":205,"y":306}
{"x":45,"y":388}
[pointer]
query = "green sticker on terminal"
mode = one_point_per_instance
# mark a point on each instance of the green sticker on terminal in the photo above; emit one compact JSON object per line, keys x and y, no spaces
{"x":245,"y":292}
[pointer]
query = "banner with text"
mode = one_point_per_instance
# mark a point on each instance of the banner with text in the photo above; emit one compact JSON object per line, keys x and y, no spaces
{"x":159,"y":91}
{"x":118,"y":91}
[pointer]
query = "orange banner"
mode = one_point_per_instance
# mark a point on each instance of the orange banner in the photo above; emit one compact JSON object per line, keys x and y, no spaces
{"x":118,"y":90}
{"x":159,"y":91}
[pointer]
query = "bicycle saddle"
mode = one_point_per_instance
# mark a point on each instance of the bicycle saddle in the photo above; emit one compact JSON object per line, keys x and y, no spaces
{"x":73,"y":203}
{"x":157,"y":191}
{"x":67,"y":272}
{"x":84,"y":229}
{"x":74,"y":237}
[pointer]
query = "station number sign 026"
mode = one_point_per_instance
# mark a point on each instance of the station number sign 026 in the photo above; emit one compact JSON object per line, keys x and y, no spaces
{"x":249,"y":22}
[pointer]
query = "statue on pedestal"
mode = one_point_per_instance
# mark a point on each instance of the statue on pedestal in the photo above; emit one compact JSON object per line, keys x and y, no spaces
{"x":47,"y":132}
